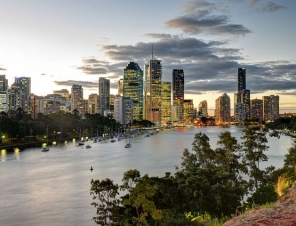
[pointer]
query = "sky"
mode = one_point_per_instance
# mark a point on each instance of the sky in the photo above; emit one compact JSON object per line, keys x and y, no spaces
{"x":61,"y":43}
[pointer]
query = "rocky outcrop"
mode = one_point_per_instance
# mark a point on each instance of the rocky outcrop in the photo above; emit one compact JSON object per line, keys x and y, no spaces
{"x":281,"y":213}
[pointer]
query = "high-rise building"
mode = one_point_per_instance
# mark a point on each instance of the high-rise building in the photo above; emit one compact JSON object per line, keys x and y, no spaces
{"x":3,"y":83}
{"x":64,"y":93}
{"x":270,"y":107}
{"x":222,"y":111}
{"x":111,"y":101}
{"x":165,"y":102}
{"x":123,"y":110}
{"x":93,"y":103}
{"x":178,"y":91}
{"x":77,"y":98}
{"x":133,"y":88}
{"x":120,"y":87}
{"x":242,"y":97}
{"x":20,"y":93}
{"x":104,"y":95}
{"x":153,"y":91}
{"x":188,"y":110}
{"x":241,"y":79}
{"x":4,"y":100}
{"x":257,"y":109}
{"x":203,"y":108}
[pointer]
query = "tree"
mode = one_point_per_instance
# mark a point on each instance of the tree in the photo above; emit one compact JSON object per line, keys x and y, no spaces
{"x":140,"y":200}
{"x":105,"y":193}
{"x":253,"y":146}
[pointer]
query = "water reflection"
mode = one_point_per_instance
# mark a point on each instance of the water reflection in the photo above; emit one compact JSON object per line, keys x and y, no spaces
{"x":17,"y":153}
{"x":3,"y":155}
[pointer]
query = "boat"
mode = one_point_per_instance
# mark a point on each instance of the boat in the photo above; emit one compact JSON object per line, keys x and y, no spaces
{"x":80,"y":143}
{"x":45,"y":149}
{"x":112,"y":140}
{"x":87,"y":146}
{"x":128,"y":145}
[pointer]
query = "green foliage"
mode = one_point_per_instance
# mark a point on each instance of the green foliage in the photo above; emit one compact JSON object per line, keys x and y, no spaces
{"x":107,"y":205}
{"x":253,"y":146}
{"x":207,"y":188}
{"x":263,"y":195}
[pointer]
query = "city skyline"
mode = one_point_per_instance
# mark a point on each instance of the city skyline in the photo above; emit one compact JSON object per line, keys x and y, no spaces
{"x":61,"y":44}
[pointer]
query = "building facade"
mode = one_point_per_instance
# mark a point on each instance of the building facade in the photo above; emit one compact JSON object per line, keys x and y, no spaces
{"x":203,"y":108}
{"x":77,"y":98}
{"x":133,"y":88}
{"x":104,"y":95}
{"x":257,"y":109}
{"x":270,"y":108}
{"x":153,"y":91}
{"x":222,"y":111}
{"x":20,"y":94}
{"x":165,"y":102}
{"x":178,"y":91}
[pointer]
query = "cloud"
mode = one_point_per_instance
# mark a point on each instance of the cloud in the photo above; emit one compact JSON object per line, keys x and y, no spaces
{"x":208,"y":66}
{"x":85,"y":84}
{"x":203,"y":22}
{"x":93,"y":66}
{"x":272,"y":7}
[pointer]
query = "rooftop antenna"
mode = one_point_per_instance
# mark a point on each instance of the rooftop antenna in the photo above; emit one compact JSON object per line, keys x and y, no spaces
{"x":153,"y":58}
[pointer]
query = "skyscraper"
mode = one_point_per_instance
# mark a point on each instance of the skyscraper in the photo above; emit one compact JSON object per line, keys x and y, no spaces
{"x":133,"y":88}
{"x":203,"y":108}
{"x":241,"y":79}
{"x":153,"y":91}
{"x":222,"y":111}
{"x":20,"y":93}
{"x":257,"y":109}
{"x":4,"y":104}
{"x":242,"y":97}
{"x":178,"y":91}
{"x":104,"y":95}
{"x":93,"y":102}
{"x":77,"y":98}
{"x":188,"y":110}
{"x":270,"y":107}
{"x":165,"y":102}
{"x":3,"y":83}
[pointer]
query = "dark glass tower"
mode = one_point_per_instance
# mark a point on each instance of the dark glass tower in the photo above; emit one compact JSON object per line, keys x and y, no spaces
{"x":241,"y":79}
{"x":178,"y":92}
{"x":178,"y":84}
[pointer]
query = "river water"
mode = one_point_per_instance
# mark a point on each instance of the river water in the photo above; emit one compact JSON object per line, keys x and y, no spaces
{"x":52,"y":188}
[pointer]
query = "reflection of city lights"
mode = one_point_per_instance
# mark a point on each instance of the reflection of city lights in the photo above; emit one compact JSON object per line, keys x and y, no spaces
{"x":74,"y":140}
{"x":44,"y":145}
{"x":3,"y":155}
{"x":17,"y":153}
{"x":3,"y":136}
{"x":54,"y":143}
{"x":66,"y":142}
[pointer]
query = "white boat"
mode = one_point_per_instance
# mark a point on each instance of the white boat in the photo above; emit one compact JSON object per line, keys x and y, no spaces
{"x":128,"y":145}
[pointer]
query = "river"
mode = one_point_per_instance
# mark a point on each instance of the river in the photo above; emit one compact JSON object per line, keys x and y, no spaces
{"x":52,"y":188}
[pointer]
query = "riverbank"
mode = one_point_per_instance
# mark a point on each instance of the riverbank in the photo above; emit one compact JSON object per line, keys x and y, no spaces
{"x":11,"y":145}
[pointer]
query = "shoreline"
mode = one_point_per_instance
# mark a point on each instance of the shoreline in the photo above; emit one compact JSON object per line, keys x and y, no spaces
{"x":33,"y":144}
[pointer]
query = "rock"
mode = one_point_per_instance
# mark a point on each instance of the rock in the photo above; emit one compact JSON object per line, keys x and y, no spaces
{"x":282,"y":212}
